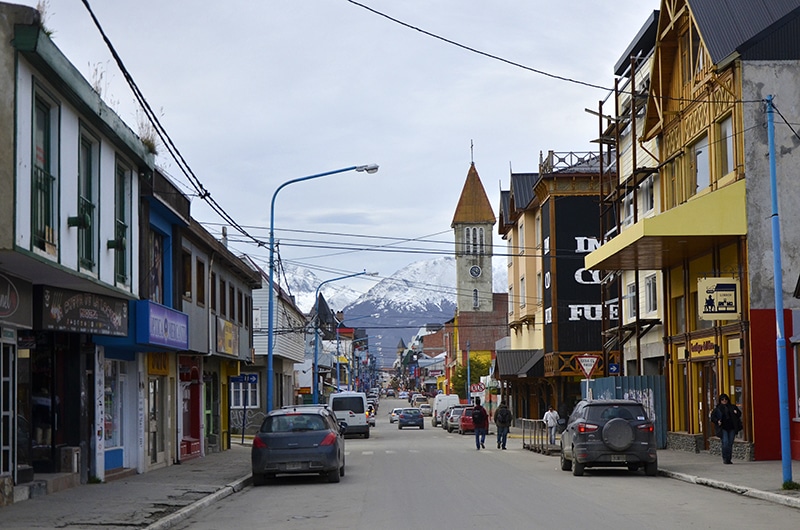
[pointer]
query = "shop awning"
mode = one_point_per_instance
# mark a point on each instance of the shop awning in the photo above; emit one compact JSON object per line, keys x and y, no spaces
{"x":519,"y":363}
{"x":659,"y":242}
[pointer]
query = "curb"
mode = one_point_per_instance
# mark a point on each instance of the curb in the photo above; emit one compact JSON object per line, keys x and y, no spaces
{"x":777,"y":498}
{"x":187,"y":511}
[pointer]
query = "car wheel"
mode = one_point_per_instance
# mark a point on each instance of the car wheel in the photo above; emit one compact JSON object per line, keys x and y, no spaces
{"x":566,"y":465}
{"x":366,"y":434}
{"x":651,"y":469}
{"x":259,"y":479}
{"x":341,"y":470}
{"x":399,"y":427}
{"x":577,"y":467}
{"x":421,"y":426}
{"x":333,"y":476}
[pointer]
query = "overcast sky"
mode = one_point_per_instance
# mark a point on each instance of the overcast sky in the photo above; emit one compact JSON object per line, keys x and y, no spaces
{"x":257,"y":93}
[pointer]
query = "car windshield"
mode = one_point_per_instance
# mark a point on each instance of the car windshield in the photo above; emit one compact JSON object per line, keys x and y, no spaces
{"x":457,"y":412}
{"x":411,"y":412}
{"x":354,"y":403}
{"x":610,"y":412}
{"x":294,"y":423}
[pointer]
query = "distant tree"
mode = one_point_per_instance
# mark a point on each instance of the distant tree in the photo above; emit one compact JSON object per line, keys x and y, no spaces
{"x":477,"y":369}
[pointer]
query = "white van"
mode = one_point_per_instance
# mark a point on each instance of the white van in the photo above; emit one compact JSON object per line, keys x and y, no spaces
{"x":440,"y":404}
{"x":351,"y":408}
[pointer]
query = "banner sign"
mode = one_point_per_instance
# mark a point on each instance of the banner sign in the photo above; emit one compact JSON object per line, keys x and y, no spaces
{"x":65,"y":310}
{"x":718,"y":298}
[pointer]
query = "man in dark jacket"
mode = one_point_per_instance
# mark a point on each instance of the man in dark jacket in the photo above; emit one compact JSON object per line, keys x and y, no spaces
{"x":480,"y":419}
{"x":727,"y":418}
{"x":502,"y":418}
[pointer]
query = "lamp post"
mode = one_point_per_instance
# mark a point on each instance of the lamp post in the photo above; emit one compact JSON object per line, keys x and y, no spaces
{"x":369,"y":168}
{"x":315,"y":382}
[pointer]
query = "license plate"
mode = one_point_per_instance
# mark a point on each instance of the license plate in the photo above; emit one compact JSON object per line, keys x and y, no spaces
{"x":618,"y":458}
{"x":294,"y":466}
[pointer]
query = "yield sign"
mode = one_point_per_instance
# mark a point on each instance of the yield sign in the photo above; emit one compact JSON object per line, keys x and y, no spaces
{"x":588,"y":362}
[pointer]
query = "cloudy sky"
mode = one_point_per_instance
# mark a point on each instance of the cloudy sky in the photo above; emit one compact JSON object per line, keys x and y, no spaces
{"x":257,"y":93}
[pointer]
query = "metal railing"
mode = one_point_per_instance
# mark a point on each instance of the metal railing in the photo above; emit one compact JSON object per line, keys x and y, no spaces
{"x":535,"y":437}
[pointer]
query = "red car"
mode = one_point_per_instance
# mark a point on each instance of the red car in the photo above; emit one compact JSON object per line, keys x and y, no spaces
{"x":465,"y":423}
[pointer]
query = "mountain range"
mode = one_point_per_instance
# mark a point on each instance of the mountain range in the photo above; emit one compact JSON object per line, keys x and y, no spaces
{"x":395,"y":309}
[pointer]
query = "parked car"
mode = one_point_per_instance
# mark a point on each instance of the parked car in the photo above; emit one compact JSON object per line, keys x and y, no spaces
{"x":403,"y":395}
{"x":465,"y":423}
{"x":440,"y":404}
{"x":426,"y":409}
{"x":302,"y":439}
{"x":394,"y":414}
{"x":410,"y":417}
{"x":453,"y":420}
{"x":609,"y":433}
{"x":351,"y":408}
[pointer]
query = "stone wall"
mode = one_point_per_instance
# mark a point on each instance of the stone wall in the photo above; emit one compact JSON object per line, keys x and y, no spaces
{"x":682,"y":441}
{"x":742,"y":450}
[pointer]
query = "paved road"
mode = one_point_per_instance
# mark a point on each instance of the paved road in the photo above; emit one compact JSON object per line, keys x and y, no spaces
{"x":417,"y":479}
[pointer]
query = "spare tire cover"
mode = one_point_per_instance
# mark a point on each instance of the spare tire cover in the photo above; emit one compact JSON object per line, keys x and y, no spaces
{"x":618,"y":434}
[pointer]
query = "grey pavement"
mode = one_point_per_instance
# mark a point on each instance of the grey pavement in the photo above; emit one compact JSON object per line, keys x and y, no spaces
{"x":162,"y":498}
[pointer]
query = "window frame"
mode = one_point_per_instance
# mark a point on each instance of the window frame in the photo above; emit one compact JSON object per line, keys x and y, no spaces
{"x":240,"y":389}
{"x":88,"y":194}
{"x":630,"y":296}
{"x":200,"y":282}
{"x":186,"y":274}
{"x":44,"y":173}
{"x":650,"y":294}
{"x":122,"y":205}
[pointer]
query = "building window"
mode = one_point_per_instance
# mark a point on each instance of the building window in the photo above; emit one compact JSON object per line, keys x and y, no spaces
{"x":680,"y":315}
{"x":114,"y":385}
{"x":239,"y":307}
{"x":539,"y":288}
{"x":522,"y":293}
{"x":627,"y":209}
{"x":44,"y":183}
{"x":200,"y":282}
{"x":223,"y":300}
{"x":650,"y":294}
{"x":232,"y":300}
{"x":213,"y":283}
{"x":521,"y":232}
{"x":631,"y":300}
{"x":726,"y":160}
{"x":186,"y":272}
{"x":156,"y":264}
{"x":510,"y":300}
{"x":121,"y":236}
{"x":648,"y":195}
{"x":244,"y":394}
{"x":700,"y":164}
{"x":475,"y":301}
{"x":468,"y":240}
{"x":510,"y":252}
{"x":88,"y":178}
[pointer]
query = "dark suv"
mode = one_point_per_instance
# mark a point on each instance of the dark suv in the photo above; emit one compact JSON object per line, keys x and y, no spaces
{"x":609,"y":433}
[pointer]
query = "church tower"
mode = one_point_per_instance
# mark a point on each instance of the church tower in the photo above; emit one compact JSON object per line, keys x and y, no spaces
{"x":472,"y":224}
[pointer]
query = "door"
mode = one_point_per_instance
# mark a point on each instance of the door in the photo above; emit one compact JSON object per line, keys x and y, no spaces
{"x":155,"y":427}
{"x":707,"y":399}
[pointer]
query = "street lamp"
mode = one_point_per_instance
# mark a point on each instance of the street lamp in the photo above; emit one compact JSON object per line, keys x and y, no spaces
{"x":369,"y":168}
{"x":315,"y":382}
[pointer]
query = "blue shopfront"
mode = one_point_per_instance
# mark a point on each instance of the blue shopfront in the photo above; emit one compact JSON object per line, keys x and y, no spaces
{"x":139,"y":389}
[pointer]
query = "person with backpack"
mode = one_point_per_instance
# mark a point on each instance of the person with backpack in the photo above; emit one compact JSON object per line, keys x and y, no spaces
{"x":502,"y":419}
{"x":480,"y":419}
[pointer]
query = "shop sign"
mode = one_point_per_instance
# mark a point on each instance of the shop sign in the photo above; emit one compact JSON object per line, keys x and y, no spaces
{"x":158,"y":363}
{"x":65,"y":310}
{"x":702,"y":348}
{"x":718,"y":298}
{"x":15,"y":300}
{"x":227,"y":337}
{"x":161,"y":326}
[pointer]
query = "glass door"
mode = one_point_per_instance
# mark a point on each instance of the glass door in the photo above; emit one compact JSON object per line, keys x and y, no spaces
{"x":155,"y":427}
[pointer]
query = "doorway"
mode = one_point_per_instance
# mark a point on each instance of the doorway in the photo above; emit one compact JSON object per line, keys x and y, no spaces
{"x":708,"y":398}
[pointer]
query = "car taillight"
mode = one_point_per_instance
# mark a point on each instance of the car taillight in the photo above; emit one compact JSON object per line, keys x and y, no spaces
{"x":258,"y":443}
{"x":646,"y":427}
{"x":330,"y":439}
{"x":587,"y":427}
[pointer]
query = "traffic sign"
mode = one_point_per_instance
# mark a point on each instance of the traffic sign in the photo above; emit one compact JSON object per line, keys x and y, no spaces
{"x":613,"y":368}
{"x":588,"y":362}
{"x":477,"y":387}
{"x":245,"y":378}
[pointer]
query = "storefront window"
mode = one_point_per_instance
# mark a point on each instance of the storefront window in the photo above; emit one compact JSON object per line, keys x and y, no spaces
{"x":114,"y":381}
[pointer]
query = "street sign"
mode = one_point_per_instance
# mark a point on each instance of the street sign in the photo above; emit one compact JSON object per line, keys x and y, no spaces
{"x":613,"y":368}
{"x":477,"y":387}
{"x":588,"y":362}
{"x":245,"y":378}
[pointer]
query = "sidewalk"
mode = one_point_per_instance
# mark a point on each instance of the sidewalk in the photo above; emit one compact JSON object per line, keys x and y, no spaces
{"x":162,"y":498}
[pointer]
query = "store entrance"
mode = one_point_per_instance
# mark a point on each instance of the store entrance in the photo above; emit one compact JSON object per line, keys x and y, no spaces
{"x":707,"y":399}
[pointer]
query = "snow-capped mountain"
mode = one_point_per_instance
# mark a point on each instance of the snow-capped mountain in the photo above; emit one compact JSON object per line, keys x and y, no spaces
{"x":421,"y":293}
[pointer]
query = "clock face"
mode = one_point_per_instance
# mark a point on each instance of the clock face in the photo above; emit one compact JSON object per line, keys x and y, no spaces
{"x":475,"y":271}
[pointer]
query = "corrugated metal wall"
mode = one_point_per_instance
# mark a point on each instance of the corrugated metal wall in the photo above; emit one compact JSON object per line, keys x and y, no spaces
{"x":649,"y":390}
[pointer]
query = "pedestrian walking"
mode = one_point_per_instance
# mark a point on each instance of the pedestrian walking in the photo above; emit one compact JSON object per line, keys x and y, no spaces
{"x":727,"y":418}
{"x":502,"y":419}
{"x":480,"y":420}
{"x":551,"y":418}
